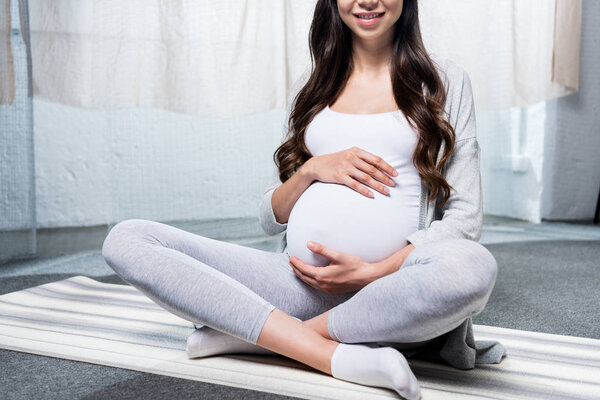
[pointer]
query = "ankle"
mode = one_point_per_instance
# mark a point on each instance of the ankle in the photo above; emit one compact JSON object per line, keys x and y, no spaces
{"x":319,"y":327}
{"x":330,"y":351}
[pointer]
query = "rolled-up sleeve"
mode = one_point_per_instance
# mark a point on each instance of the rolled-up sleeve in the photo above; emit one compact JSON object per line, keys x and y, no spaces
{"x":266,"y":216}
{"x":462,"y":215}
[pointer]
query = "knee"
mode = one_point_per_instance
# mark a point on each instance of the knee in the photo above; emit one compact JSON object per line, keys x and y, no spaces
{"x":479,"y":268}
{"x":487,"y":267}
{"x":117,"y":243}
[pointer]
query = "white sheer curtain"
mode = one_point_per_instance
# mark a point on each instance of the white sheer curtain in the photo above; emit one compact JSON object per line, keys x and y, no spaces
{"x":508,"y":47}
{"x":219,"y":59}
{"x":235,"y":57}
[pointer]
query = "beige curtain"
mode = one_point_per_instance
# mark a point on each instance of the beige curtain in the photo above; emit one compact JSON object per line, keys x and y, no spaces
{"x":567,"y":34}
{"x":235,"y":57}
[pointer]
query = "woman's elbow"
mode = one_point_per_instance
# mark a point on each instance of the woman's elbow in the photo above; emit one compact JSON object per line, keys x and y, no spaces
{"x":268,"y":223}
{"x":474,"y":230}
{"x":475,"y":234}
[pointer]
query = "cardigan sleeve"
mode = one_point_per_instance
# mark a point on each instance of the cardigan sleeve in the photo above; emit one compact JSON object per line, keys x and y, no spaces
{"x":462,"y":215}
{"x":266,"y":215}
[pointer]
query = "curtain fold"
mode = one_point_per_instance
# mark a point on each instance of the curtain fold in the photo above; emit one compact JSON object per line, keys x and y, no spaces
{"x":567,"y":43}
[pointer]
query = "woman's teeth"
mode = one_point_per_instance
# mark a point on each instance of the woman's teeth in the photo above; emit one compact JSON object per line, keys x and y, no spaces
{"x":370,"y":17}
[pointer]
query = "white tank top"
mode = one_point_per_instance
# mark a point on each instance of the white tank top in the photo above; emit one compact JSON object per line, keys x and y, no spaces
{"x":343,"y":219}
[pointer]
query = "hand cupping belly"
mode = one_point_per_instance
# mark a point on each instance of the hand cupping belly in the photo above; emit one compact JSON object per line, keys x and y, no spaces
{"x":343,"y":219}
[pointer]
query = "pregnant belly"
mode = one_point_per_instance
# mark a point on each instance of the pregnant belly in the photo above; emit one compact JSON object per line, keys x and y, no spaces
{"x":342,"y":219}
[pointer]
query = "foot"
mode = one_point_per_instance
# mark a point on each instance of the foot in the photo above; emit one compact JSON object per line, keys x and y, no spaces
{"x":206,"y":342}
{"x":371,"y":365}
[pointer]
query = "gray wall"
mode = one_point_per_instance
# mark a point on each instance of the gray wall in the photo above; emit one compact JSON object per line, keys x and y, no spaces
{"x":99,"y":167}
{"x":572,"y":135}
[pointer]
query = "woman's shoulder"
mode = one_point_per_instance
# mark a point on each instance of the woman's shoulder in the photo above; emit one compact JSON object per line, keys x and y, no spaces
{"x":452,"y":73}
{"x":456,"y":82}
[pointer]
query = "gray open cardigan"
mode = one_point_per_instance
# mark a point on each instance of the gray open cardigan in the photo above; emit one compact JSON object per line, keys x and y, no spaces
{"x":461,"y":216}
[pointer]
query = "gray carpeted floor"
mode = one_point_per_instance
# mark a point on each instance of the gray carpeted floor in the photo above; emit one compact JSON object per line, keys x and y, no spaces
{"x":543,"y":286}
{"x":549,"y":287}
{"x":28,"y":376}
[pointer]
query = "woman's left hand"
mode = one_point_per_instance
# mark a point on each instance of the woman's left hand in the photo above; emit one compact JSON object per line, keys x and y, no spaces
{"x":345,"y":273}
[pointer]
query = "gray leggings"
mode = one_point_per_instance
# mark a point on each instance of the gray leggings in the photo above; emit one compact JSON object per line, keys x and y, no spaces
{"x":233,"y":288}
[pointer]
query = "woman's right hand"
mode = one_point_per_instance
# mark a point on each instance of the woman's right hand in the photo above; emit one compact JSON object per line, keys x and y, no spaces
{"x":351,"y":167}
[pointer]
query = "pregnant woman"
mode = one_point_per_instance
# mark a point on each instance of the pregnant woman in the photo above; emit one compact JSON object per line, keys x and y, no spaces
{"x":377,"y":190}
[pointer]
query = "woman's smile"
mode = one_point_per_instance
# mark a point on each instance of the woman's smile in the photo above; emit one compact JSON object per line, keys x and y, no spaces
{"x":371,"y":22}
{"x":368,"y":19}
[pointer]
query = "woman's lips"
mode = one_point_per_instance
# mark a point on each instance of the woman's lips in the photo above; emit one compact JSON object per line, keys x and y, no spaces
{"x":368,"y":22}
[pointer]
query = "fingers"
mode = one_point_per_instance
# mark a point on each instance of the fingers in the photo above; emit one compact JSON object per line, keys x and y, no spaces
{"x":375,"y":160}
{"x":367,"y":173}
{"x":325,"y":251}
{"x":307,"y":270}
{"x":368,"y":170}
{"x":305,"y":273}
{"x":354,"y":184}
{"x":311,"y":281}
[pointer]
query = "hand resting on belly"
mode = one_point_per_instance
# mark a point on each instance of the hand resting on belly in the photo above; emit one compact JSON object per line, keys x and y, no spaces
{"x":342,"y":219}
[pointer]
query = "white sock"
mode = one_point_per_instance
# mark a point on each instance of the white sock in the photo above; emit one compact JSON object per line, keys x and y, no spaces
{"x":370,"y":365}
{"x":205,"y":341}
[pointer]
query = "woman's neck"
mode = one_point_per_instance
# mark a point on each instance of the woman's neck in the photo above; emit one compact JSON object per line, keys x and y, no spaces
{"x":372,"y":56}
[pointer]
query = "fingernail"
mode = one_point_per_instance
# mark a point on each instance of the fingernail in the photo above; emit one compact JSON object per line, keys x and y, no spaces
{"x":310,"y":244}
{"x":395,"y":173}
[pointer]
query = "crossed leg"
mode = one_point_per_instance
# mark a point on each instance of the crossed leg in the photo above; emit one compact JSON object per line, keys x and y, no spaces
{"x":440,"y":284}
{"x":236,"y":290}
{"x":231,"y":288}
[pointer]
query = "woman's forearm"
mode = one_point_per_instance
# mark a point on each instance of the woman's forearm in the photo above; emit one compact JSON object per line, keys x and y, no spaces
{"x":286,"y":195}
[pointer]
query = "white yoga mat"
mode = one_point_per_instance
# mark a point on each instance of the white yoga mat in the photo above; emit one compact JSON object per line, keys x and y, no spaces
{"x":116,"y":325}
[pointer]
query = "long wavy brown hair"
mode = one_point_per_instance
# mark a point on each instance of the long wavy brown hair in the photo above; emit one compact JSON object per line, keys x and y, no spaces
{"x":418,"y":90}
